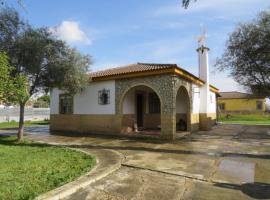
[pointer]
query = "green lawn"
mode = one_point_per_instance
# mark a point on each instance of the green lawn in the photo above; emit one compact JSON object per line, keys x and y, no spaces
{"x":14,"y":124}
{"x":246,"y":119}
{"x":29,"y":169}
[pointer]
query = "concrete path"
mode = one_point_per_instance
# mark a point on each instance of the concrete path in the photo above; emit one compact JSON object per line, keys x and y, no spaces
{"x":228,"y":162}
{"x":108,"y":161}
{"x":134,"y":184}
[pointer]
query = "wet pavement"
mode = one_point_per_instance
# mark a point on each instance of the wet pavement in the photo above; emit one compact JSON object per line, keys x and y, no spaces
{"x":33,"y":130}
{"x":133,"y":184}
{"x":228,"y":162}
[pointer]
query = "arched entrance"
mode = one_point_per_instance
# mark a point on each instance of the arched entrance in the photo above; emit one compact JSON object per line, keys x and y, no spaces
{"x":141,"y":111}
{"x":182,"y":110}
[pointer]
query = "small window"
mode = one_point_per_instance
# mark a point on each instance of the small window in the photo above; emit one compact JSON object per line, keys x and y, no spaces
{"x":222,"y":106}
{"x":154,"y":103}
{"x":65,"y":104}
{"x":104,"y":97}
{"x":259,"y":105}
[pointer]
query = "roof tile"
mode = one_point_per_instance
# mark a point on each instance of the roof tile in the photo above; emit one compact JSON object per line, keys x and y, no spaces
{"x":139,"y":67}
{"x":238,"y":95}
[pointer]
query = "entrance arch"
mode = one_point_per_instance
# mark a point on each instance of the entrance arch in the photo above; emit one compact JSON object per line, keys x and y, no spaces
{"x":140,"y":107}
{"x":183,"y":121}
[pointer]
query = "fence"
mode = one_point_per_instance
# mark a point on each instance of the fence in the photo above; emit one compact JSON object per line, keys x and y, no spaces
{"x":12,"y":114}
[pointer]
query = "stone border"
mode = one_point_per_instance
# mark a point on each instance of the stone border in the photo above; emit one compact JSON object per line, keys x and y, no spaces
{"x":108,"y":161}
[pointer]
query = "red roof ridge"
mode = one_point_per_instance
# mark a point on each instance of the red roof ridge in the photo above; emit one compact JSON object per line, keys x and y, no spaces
{"x":158,"y":64}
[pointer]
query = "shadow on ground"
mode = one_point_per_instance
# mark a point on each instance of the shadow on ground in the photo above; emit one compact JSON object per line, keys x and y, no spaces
{"x":254,"y":190}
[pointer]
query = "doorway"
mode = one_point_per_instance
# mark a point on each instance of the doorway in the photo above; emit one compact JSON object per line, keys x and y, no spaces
{"x":139,"y":109}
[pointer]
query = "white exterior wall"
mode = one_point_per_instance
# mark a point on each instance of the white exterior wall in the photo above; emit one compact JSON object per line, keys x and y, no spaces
{"x":181,"y":102}
{"x":195,"y":99}
{"x":54,"y":100}
{"x":87,"y":101}
{"x":205,"y":99}
{"x":129,"y":103}
{"x":213,"y":104}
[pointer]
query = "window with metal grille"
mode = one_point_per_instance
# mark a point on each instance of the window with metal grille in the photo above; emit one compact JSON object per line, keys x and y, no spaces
{"x":65,"y":104}
{"x":104,"y":97}
{"x":222,"y":106}
{"x":259,"y":105}
{"x":154,"y":103}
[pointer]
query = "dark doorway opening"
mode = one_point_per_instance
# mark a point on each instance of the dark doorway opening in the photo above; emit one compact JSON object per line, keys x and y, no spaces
{"x":139,"y":107}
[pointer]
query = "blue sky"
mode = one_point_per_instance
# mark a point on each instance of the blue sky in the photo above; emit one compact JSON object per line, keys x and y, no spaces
{"x":119,"y":32}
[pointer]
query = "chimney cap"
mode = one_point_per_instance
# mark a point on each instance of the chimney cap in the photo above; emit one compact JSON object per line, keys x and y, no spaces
{"x":202,"y":48}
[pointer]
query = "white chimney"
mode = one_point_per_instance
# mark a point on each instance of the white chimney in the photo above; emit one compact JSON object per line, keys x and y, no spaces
{"x":204,"y":75}
{"x":203,"y":63}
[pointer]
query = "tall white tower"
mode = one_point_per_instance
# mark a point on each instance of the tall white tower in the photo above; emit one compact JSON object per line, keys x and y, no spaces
{"x":204,"y":89}
{"x":204,"y":75}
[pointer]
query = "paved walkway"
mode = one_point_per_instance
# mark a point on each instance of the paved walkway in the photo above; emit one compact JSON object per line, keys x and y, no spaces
{"x":228,"y":162}
{"x":108,"y":161}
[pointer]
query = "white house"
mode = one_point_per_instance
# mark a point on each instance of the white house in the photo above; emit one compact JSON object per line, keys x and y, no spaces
{"x":144,"y":97}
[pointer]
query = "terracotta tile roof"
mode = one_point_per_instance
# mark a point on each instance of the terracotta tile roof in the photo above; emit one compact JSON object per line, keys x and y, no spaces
{"x":144,"y":67}
{"x":132,"y":68}
{"x":238,"y":95}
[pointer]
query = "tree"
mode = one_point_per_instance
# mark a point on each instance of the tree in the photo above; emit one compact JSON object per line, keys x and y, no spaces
{"x":42,"y":102}
{"x":11,"y":88}
{"x":5,"y":70}
{"x":20,"y":3}
{"x":247,"y":55}
{"x":185,"y":3}
{"x":45,"y":98}
{"x":40,"y":61}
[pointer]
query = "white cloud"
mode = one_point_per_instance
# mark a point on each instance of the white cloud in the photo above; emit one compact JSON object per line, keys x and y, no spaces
{"x":71,"y":32}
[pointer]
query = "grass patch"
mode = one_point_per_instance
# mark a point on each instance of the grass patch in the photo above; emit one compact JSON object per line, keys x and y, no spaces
{"x":29,"y":169}
{"x":246,"y":119}
{"x":14,"y":124}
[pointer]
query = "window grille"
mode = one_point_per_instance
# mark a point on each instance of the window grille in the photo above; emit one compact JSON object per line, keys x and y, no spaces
{"x":104,"y":97}
{"x":65,"y":104}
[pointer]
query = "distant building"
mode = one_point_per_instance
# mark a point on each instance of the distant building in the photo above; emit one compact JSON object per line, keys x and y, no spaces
{"x":239,"y":102}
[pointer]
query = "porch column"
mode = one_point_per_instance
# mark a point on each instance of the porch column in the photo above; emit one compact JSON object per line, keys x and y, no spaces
{"x":168,"y":126}
{"x":168,"y":111}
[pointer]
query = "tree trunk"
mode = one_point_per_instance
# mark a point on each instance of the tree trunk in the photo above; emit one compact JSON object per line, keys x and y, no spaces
{"x":21,"y":122}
